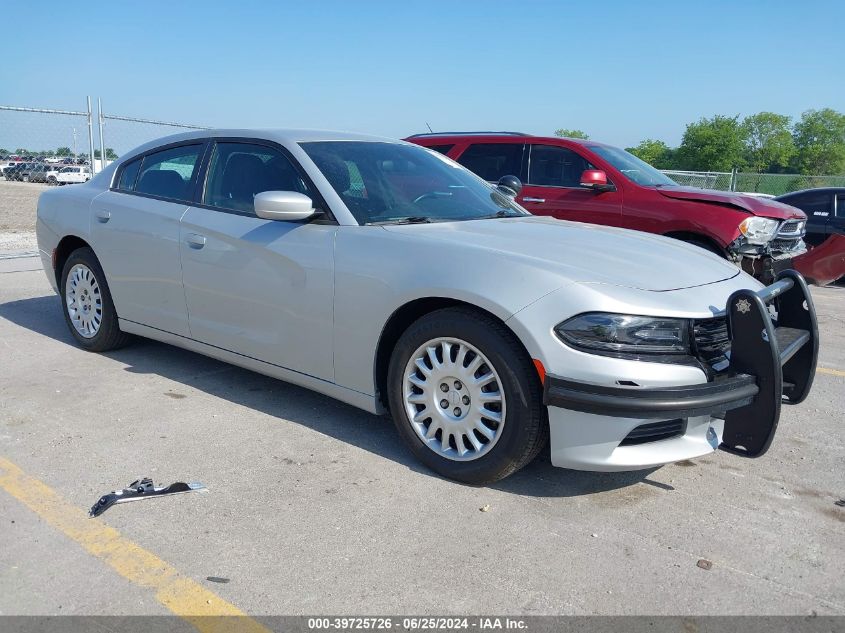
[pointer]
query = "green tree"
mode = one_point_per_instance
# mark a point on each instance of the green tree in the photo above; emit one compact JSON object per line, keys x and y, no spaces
{"x":571,"y":133}
{"x":768,"y":141}
{"x":63,"y":151}
{"x":110,"y":154}
{"x":655,"y":153}
{"x":716,"y":144}
{"x":820,"y":142}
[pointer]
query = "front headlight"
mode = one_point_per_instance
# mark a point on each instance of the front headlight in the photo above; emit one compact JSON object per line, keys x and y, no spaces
{"x":758,"y":230}
{"x":626,"y":333}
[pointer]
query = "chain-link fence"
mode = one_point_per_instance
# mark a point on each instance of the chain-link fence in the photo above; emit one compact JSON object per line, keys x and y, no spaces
{"x":702,"y":179}
{"x":56,"y":146}
{"x":119,"y":134}
{"x":765,"y":184}
{"x":36,"y":144}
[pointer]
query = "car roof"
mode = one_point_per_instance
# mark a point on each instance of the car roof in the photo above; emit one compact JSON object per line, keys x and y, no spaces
{"x":501,"y":137}
{"x":278,"y":135}
{"x":813,"y":190}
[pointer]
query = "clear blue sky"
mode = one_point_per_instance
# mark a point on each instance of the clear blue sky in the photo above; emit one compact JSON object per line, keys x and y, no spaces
{"x":621,"y":71}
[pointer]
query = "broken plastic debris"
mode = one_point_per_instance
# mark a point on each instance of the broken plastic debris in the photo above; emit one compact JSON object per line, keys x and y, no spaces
{"x":704,"y":564}
{"x":219,"y":579}
{"x":840,"y":503}
{"x":142,"y":489}
{"x":485,"y":508}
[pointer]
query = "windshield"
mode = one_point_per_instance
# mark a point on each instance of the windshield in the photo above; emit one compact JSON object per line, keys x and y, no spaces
{"x":635,"y":169}
{"x":389,"y":182}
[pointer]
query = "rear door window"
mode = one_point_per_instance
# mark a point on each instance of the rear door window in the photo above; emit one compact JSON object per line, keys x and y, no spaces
{"x":553,"y":166}
{"x":169,"y":173}
{"x":491,"y":161}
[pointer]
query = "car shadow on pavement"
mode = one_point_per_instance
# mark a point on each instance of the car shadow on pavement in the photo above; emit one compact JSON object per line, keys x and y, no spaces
{"x":282,"y":400}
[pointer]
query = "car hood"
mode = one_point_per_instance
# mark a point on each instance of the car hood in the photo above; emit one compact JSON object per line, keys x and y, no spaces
{"x":764,"y":207}
{"x":580,"y":252}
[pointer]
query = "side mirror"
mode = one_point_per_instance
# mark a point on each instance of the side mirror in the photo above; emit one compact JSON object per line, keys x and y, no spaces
{"x":596,"y":180}
{"x":509,"y":185}
{"x":286,"y":206}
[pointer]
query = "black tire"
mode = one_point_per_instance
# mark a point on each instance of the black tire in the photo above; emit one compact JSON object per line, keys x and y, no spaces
{"x":108,"y":336}
{"x":706,"y":246}
{"x":526,"y":429}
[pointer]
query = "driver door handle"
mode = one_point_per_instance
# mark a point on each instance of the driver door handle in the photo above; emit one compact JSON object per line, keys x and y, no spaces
{"x":195,"y":241}
{"x":530,"y":199}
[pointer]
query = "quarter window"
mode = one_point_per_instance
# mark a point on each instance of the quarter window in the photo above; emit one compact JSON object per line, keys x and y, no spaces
{"x":840,"y":206}
{"x":491,"y":161}
{"x":443,"y":149}
{"x":128,"y":175}
{"x":169,"y":173}
{"x":552,"y":166}
{"x":813,"y":202}
{"x":239,"y":171}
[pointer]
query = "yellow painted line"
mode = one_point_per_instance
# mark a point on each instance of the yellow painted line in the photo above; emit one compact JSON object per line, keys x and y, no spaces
{"x":832,"y":372}
{"x":183,"y":596}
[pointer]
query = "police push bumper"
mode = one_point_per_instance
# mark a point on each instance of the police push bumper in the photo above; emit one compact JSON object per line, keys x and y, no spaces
{"x":781,"y":358}
{"x":771,"y":361}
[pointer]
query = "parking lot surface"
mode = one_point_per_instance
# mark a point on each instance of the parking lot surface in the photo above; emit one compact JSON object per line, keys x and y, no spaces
{"x":315,"y":507}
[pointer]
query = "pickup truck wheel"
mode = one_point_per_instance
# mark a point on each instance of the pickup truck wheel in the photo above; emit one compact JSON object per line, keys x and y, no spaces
{"x":26,"y":178}
{"x":465,"y":396}
{"x":88,"y":308}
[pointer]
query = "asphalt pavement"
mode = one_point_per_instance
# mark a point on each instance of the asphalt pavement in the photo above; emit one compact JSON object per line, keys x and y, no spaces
{"x":315,"y":507}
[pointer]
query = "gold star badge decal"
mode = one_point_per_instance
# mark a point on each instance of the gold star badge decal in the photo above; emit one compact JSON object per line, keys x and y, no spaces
{"x":743,"y":306}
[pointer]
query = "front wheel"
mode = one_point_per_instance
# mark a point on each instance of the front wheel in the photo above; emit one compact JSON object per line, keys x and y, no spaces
{"x":88,"y":308}
{"x":26,"y":178}
{"x":465,"y":396}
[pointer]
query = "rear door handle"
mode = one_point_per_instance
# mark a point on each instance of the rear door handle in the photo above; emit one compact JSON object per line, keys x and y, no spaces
{"x":103,"y":216}
{"x":195,"y":241}
{"x":528,"y":199}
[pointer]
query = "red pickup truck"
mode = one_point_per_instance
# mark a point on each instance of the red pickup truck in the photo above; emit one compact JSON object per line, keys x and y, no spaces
{"x":586,"y":181}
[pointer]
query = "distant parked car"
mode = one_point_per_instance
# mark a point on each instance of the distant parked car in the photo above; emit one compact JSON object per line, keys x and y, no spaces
{"x":31,"y":173}
{"x":70,"y":175}
{"x":46,"y":173}
{"x":16,"y":172}
{"x":587,"y":181}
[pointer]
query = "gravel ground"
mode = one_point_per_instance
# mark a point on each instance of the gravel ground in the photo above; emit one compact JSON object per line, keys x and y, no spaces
{"x":18,"y":201}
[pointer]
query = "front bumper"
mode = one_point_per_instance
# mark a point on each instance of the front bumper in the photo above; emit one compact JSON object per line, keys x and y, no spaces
{"x":597,"y":427}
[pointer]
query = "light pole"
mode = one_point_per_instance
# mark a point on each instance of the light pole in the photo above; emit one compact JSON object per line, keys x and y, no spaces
{"x":74,"y":143}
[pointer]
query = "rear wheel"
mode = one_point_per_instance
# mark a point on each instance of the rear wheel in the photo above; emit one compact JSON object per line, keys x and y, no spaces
{"x":465,"y":396}
{"x":88,"y":308}
{"x":26,"y":178}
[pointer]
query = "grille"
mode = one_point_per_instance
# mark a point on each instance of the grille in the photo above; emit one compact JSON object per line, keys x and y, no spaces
{"x":791,"y":228}
{"x":711,"y":340}
{"x":785,"y":245}
{"x":654,"y":432}
{"x":789,"y":236}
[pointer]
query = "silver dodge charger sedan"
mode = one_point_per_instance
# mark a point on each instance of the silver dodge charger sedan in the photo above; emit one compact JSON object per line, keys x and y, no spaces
{"x":389,"y":277}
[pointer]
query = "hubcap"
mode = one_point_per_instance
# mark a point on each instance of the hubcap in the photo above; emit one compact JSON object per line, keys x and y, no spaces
{"x":83,"y":301}
{"x":454,"y":400}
